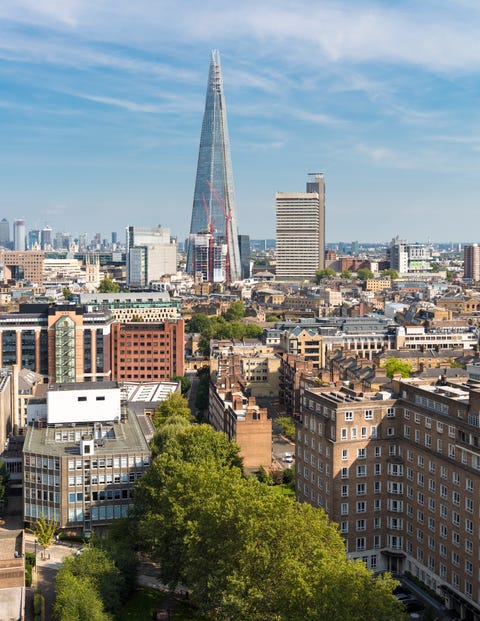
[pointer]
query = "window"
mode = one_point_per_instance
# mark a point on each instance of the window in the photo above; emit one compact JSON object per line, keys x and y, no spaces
{"x":344,"y":473}
{"x":361,"y":471}
{"x":377,"y":469}
{"x":344,"y":454}
{"x":391,"y":413}
{"x":368,"y":414}
{"x":344,"y":508}
{"x":344,"y":527}
{"x":377,"y":487}
{"x":377,"y":504}
{"x":361,"y":453}
{"x":361,"y":506}
{"x":361,"y":525}
{"x":378,"y":450}
{"x":361,"y":489}
{"x":343,"y":433}
{"x":363,"y":432}
{"x":81,"y":398}
{"x":360,"y":543}
{"x":353,"y":433}
{"x":348,"y":416}
{"x":344,"y":490}
{"x":469,"y":505}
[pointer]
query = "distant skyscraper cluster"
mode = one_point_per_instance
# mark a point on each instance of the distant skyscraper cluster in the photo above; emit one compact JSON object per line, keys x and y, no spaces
{"x":213,"y":248}
{"x":300,"y":231}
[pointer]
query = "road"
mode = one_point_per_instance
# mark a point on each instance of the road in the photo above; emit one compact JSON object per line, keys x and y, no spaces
{"x":280,"y":444}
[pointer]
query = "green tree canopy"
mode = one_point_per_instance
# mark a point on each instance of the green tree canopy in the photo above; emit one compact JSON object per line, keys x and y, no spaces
{"x":197,"y":323}
{"x":184,"y":382}
{"x":322,"y":274}
{"x":174,"y":405}
{"x":107,"y":285}
{"x":66,"y":292}
{"x":236,"y":311}
{"x":390,"y":272}
{"x":347,"y":274}
{"x":77,"y":599}
{"x":45,"y":531}
{"x":395,"y":365}
{"x":244,"y":550}
{"x":225,"y":546}
{"x":364,"y":273}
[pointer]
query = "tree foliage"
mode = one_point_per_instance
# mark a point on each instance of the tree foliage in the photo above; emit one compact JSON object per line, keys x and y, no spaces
{"x":94,"y":576}
{"x":197,"y":323}
{"x":392,"y":273}
{"x":236,"y":311}
{"x":395,"y":365}
{"x":244,"y":550}
{"x":364,"y":273}
{"x":287,"y":426}
{"x":45,"y":531}
{"x":185,"y":382}
{"x":347,"y":274}
{"x":107,"y":285}
{"x":323,"y":274}
{"x":174,"y":405}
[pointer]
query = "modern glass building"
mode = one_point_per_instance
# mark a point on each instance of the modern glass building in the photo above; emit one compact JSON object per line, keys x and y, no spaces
{"x":214,"y":198}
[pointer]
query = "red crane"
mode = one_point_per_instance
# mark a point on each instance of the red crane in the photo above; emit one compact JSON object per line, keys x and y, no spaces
{"x":228,"y":217}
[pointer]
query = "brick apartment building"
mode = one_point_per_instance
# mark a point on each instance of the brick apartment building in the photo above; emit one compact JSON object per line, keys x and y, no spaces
{"x":400,"y":473}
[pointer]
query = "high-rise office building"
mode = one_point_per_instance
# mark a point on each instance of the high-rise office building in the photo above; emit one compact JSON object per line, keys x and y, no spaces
{"x":300,"y":231}
{"x":4,"y":233}
{"x":46,"y":238}
{"x":151,"y":253}
{"x":213,"y":209}
{"x":471,"y":262}
{"x":19,"y":234}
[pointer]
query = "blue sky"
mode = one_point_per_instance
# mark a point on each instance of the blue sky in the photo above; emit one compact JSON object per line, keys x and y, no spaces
{"x":101,"y":104}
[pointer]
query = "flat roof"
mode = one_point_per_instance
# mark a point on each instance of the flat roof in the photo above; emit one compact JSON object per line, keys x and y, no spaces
{"x":125,"y":436}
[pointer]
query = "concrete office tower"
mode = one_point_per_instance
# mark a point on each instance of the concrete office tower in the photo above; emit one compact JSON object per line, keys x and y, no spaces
{"x":300,"y":231}
{"x":151,"y":253}
{"x":19,"y":234}
{"x":214,"y":198}
{"x":4,"y":233}
{"x":471,"y":262}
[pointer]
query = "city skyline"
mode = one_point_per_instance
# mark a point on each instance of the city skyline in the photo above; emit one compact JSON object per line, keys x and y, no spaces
{"x":101,"y":107}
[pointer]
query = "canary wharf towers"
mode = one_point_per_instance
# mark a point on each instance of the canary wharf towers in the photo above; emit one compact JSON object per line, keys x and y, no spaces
{"x":213,"y":251}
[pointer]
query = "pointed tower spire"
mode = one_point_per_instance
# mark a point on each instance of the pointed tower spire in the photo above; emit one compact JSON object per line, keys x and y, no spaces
{"x":213,"y":212}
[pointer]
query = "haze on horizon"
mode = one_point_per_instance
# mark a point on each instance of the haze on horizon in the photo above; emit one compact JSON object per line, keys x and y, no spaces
{"x":102,"y":103}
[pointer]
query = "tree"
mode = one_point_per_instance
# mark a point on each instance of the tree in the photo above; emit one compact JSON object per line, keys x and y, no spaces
{"x":107,"y":285}
{"x":322,"y":274}
{"x":45,"y":531}
{"x":287,"y":426}
{"x":66,"y":293}
{"x":364,"y":273}
{"x":395,"y":365}
{"x":218,"y":532}
{"x":197,"y":323}
{"x":347,"y":274}
{"x":236,"y":311}
{"x":77,"y":599}
{"x":174,"y":405}
{"x":392,"y":273}
{"x":252,"y":331}
{"x":184,"y":382}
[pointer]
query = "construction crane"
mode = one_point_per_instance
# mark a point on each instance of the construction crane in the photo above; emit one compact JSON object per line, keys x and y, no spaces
{"x":228,"y":217}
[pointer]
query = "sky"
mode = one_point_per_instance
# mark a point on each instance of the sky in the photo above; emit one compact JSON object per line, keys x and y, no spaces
{"x":101,"y":104}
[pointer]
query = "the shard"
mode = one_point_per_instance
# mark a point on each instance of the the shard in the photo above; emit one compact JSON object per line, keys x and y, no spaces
{"x":214,"y":216}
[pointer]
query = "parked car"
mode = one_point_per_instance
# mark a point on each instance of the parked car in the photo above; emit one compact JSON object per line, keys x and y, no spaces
{"x":288,"y":457}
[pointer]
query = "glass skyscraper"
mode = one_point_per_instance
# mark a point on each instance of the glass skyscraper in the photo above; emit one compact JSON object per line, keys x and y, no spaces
{"x":213,"y":209}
